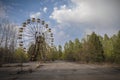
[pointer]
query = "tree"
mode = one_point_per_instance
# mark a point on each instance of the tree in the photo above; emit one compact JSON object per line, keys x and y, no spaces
{"x":20,"y":55}
{"x":31,"y":51}
{"x":77,"y":49}
{"x":116,"y":49}
{"x":65,"y":52}
{"x":69,"y":51}
{"x":95,"y":48}
{"x":8,"y":40}
{"x":85,"y":50}
{"x":108,"y":48}
{"x":53,"y":55}
{"x":60,"y":51}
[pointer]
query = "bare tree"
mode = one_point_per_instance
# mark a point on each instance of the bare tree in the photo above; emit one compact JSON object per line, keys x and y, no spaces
{"x":8,"y":39}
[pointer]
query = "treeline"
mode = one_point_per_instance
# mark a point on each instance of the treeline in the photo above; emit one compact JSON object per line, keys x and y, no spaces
{"x":93,"y":48}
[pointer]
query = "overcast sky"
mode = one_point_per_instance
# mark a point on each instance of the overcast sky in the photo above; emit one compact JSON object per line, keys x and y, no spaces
{"x":69,"y":19}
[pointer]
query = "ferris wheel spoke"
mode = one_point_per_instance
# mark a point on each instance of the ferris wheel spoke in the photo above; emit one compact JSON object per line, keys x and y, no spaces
{"x":27,"y":40}
{"x":29,"y":29}
{"x":37,"y":27}
{"x":34,"y":27}
{"x":28,"y":32}
{"x":28,"y":35}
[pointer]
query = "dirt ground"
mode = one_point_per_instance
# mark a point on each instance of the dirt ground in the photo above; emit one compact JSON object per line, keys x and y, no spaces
{"x":60,"y":70}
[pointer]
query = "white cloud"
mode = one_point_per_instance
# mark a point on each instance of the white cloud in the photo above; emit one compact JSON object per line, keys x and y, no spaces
{"x":45,"y":9}
{"x":101,"y":16}
{"x":35,"y":15}
{"x":87,"y":11}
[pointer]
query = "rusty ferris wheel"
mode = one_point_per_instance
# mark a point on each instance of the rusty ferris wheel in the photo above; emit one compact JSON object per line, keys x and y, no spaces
{"x":36,"y":31}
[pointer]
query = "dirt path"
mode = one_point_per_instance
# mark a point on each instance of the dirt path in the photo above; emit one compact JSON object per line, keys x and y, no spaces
{"x":72,"y":71}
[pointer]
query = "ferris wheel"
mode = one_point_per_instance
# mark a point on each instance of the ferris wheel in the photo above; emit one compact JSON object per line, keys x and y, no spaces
{"x":37,"y":33}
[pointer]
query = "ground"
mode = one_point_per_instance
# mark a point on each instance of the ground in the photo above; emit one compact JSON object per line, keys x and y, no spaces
{"x":61,"y":70}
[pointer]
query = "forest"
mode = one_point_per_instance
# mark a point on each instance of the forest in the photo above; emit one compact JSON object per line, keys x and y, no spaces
{"x":91,"y":49}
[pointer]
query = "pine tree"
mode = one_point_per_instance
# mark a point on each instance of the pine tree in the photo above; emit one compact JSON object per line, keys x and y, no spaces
{"x":53,"y":54}
{"x":68,"y":51}
{"x":95,"y":48}
{"x":108,"y":48}
{"x":60,"y":51}
{"x":77,"y":49}
{"x":116,"y":49}
{"x":65,"y":53}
